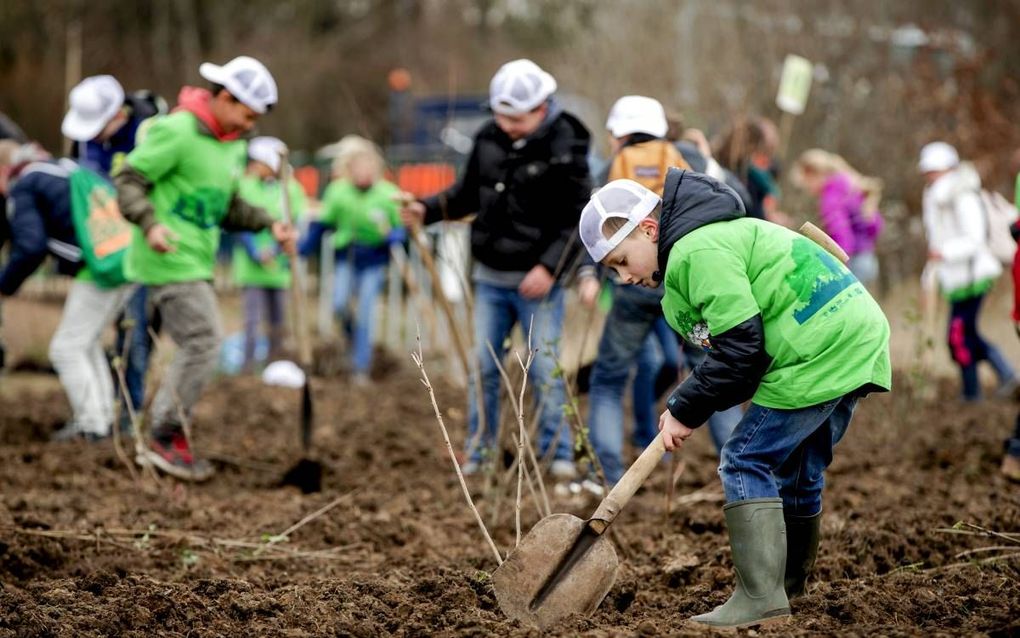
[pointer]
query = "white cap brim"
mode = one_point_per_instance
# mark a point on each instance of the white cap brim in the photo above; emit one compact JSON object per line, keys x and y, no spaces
{"x":218,"y":75}
{"x":80,"y":129}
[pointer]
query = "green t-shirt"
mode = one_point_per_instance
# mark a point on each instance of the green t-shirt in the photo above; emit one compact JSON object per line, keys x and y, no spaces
{"x":266,"y":195}
{"x":824,"y":332}
{"x":194,"y":177}
{"x":360,"y":217}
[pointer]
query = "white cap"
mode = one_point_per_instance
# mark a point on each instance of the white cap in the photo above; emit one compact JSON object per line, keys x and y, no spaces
{"x":519,"y":87}
{"x":637,"y":114}
{"x":283,"y":373}
{"x":619,"y":198}
{"x":267,"y":150}
{"x":245,"y":78}
{"x":938,"y":156}
{"x":93,"y":103}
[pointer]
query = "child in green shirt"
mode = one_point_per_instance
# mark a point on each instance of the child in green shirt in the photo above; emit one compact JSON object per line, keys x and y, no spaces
{"x":785,"y":325}
{"x":259,"y":267}
{"x":179,"y":186}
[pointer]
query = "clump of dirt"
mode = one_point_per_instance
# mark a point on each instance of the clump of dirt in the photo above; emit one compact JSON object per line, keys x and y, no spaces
{"x":85,"y":550}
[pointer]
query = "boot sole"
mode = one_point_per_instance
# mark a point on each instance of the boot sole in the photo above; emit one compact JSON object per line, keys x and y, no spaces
{"x":779,"y":617}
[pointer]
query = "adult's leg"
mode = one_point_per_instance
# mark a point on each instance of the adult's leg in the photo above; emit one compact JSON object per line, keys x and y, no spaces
{"x":254,"y":302}
{"x":650,"y":361}
{"x":277,"y":300}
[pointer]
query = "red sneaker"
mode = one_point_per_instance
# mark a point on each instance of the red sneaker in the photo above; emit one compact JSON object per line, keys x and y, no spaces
{"x":175,"y":458}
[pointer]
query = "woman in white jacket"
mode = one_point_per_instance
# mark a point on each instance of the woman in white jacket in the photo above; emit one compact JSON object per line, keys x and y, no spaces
{"x":961,"y":262}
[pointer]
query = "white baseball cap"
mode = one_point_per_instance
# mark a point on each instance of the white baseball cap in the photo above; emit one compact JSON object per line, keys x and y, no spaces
{"x":637,"y":114}
{"x":619,"y":198}
{"x":519,"y":87}
{"x":267,"y":150}
{"x":94,"y":102}
{"x":938,"y":156}
{"x":246,"y":79}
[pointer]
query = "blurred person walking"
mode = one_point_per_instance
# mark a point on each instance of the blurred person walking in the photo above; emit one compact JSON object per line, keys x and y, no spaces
{"x":260,"y":268}
{"x":361,"y":207}
{"x":961,"y":262}
{"x":527,"y":179}
{"x":847,"y":207}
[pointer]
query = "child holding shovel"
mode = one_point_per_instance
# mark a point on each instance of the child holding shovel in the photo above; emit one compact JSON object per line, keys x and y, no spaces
{"x":259,"y":268}
{"x":785,"y":325}
{"x":179,"y":186}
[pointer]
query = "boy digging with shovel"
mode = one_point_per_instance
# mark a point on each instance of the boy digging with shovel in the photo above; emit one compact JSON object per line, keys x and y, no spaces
{"x":179,"y":186}
{"x":785,"y":325}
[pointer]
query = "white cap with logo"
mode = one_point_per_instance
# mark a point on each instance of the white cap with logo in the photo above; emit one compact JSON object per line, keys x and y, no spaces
{"x":246,"y":79}
{"x":637,"y":114}
{"x":94,"y":102}
{"x":619,"y":198}
{"x":520,"y":86}
{"x":267,"y":150}
{"x":938,"y":156}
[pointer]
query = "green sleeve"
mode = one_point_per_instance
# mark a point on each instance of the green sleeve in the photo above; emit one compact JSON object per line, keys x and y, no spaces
{"x":158,"y":152}
{"x":392,"y":207}
{"x":720,"y":289}
{"x":298,"y":200}
{"x":329,"y":206}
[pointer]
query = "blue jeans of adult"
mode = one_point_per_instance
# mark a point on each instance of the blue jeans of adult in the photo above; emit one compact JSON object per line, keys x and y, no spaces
{"x":635,"y":311}
{"x":661,"y":350}
{"x":366,"y":283}
{"x":968,"y":348}
{"x":137,"y":363}
{"x":784,"y":453}
{"x":497,"y":310}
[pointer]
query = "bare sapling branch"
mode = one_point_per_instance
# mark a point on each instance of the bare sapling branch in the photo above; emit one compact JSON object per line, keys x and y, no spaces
{"x":418,"y":361}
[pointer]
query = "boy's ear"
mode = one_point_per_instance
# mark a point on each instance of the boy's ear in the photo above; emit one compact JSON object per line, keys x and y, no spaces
{"x":650,"y":227}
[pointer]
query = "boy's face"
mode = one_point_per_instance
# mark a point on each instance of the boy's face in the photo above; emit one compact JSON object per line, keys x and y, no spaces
{"x":232,"y":115}
{"x":636,"y":258}
{"x":520,"y":126}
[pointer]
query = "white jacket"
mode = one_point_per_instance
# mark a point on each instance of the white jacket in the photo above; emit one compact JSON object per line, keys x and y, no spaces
{"x":956,"y":224}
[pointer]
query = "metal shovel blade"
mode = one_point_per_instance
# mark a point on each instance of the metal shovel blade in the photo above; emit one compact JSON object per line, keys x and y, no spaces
{"x":580,"y":591}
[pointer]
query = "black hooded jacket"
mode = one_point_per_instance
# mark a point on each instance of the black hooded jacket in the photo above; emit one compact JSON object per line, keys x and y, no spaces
{"x":528,"y":195}
{"x":737,"y":360}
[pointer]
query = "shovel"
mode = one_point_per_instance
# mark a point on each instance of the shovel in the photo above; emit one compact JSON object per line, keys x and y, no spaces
{"x":566,"y":565}
{"x":307,"y":473}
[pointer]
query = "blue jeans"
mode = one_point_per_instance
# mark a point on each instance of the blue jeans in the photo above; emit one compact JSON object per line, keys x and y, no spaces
{"x":660,"y":351}
{"x":137,"y":363}
{"x":497,"y":309}
{"x":635,"y":310}
{"x":365,"y":282}
{"x":784,"y":453}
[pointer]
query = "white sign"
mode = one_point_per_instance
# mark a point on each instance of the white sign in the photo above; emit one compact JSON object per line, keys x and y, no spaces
{"x":794,"y":84}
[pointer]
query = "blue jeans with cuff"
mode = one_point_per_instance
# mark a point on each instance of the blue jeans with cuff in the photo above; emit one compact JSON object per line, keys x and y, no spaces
{"x":365,"y":281}
{"x":784,"y":453}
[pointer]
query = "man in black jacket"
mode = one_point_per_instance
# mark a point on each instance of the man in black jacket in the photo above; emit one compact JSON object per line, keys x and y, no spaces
{"x":527,"y":179}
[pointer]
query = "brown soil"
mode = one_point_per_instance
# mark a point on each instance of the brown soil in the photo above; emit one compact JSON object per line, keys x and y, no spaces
{"x":410,"y":559}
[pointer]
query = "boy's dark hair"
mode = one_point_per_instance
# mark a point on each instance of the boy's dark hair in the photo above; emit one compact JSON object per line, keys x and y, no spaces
{"x":613,"y":224}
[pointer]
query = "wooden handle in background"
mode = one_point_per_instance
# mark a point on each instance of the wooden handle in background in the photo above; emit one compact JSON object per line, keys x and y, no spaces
{"x":622,"y":492}
{"x":297,"y":290}
{"x":819,"y":236}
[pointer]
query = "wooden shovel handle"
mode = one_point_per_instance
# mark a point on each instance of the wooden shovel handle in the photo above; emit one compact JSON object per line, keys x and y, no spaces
{"x":622,"y":492}
{"x":297,"y":291}
{"x":820,"y":237}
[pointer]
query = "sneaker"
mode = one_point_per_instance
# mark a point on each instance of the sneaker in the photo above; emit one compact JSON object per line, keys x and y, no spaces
{"x":563,"y":469}
{"x":361,"y":380}
{"x":174,"y":457}
{"x":1008,"y":388}
{"x":71,"y":432}
{"x":471,"y":468}
{"x":1011,"y":468}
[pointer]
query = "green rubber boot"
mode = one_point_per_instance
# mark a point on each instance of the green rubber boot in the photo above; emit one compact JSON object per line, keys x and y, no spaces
{"x":802,"y":534}
{"x":757,"y":538}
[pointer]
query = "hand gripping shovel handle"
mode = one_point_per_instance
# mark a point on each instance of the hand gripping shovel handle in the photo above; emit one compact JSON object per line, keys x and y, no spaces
{"x":622,"y":492}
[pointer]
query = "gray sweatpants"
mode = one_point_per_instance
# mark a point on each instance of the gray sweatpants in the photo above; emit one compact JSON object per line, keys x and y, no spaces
{"x":192,"y":319}
{"x":263,"y":304}
{"x":76,"y":352}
